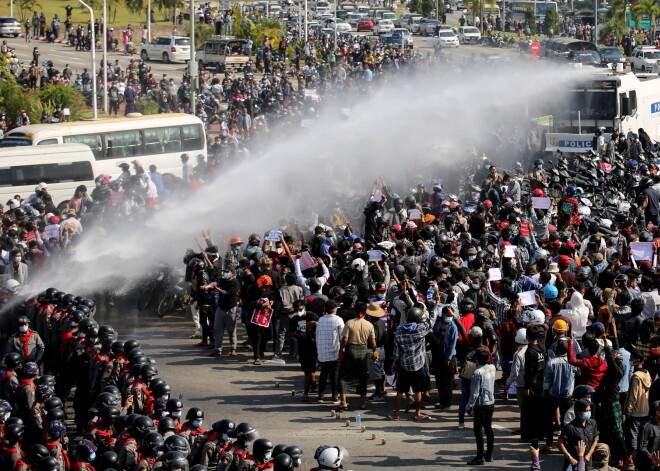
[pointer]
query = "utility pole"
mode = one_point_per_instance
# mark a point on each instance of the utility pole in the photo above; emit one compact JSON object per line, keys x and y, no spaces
{"x":92,"y":38}
{"x":105,"y":56}
{"x":192,"y":69}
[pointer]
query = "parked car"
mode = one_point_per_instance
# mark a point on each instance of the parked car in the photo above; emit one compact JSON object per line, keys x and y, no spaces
{"x":445,"y":39}
{"x":397,"y":33}
{"x":460,"y":6}
{"x":644,"y":58}
{"x":167,"y":49}
{"x":342,"y":25}
{"x":354,"y":18}
{"x":9,"y":26}
{"x":365,"y":24}
{"x":427,"y":26}
{"x":469,"y":35}
{"x":584,"y":57}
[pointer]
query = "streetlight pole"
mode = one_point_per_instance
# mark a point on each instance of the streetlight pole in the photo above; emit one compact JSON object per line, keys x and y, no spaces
{"x":192,"y":69}
{"x":11,"y":8}
{"x":305,"y":21}
{"x":105,"y":56}
{"x":149,"y":21}
{"x":596,"y":21}
{"x":93,"y":47}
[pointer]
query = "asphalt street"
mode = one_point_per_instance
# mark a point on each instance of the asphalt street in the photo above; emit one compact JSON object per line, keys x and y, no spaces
{"x":232,"y":387}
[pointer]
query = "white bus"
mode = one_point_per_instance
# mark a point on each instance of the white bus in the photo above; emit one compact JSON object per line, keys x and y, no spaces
{"x":155,"y":139}
{"x":63,"y":167}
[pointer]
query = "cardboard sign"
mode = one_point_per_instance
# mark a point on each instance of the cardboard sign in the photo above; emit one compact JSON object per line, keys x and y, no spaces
{"x":261,"y":317}
{"x":527,"y":298}
{"x":494,"y":274}
{"x":375,"y":255}
{"x":306,"y":261}
{"x":541,"y":203}
{"x":274,"y":236}
{"x":642,"y":250}
{"x":377,"y":197}
{"x":414,"y":214}
{"x":510,"y":251}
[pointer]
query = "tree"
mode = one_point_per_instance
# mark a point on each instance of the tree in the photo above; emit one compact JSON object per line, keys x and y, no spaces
{"x":646,"y":7}
{"x":414,"y":6}
{"x":427,"y":7}
{"x":26,"y":7}
{"x":616,"y":23}
{"x":551,"y":21}
{"x":530,"y":19}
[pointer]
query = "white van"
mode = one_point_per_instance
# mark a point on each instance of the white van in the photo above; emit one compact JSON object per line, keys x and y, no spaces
{"x":63,"y":167}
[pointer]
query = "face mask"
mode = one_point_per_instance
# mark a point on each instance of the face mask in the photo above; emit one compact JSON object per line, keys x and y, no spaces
{"x":92,"y":457}
{"x":166,"y":396}
{"x":197,"y":423}
{"x":176,"y":414}
{"x":447,"y":320}
{"x":298,"y":462}
{"x":639,"y":280}
{"x":17,"y":259}
{"x":539,"y":167}
{"x":586,"y":415}
{"x":160,"y":452}
{"x":98,"y":184}
{"x":240,"y":272}
{"x":471,"y":257}
{"x":15,"y":240}
{"x":23,"y":328}
{"x":225,"y":437}
{"x":268,"y":455}
{"x":474,"y":286}
{"x":283,"y":228}
{"x":34,"y":250}
{"x":329,"y":240}
{"x":380,"y":295}
{"x":225,"y":276}
{"x":247,"y":444}
{"x":6,"y":416}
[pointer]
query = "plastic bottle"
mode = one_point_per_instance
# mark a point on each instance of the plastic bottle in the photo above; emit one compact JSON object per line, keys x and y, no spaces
{"x":358,"y":420}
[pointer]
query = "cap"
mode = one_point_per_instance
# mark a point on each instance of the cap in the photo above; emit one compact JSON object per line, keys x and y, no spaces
{"x":42,"y":185}
{"x":598,"y":328}
{"x":330,"y":305}
{"x":54,"y":219}
{"x":373,"y":310}
{"x":560,"y":325}
{"x":553,"y":268}
{"x":476,"y":332}
{"x":570,"y":244}
{"x":598,"y":257}
{"x":645,"y":265}
{"x":564,"y":261}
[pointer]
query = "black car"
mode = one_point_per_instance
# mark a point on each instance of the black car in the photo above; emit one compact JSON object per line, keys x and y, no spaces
{"x":611,"y":55}
{"x":584,"y":57}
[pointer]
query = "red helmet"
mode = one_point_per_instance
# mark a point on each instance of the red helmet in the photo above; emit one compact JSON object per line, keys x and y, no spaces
{"x":538,"y":193}
{"x":488,"y":203}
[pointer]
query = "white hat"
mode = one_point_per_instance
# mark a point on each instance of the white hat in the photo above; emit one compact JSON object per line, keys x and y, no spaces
{"x":521,"y":336}
{"x":476,"y":332}
{"x":358,"y":264}
{"x":42,"y":186}
{"x":534,"y":317}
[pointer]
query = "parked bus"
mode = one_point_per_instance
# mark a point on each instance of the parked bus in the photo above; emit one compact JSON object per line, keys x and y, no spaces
{"x":516,"y":10}
{"x":63,"y":167}
{"x":155,"y":139}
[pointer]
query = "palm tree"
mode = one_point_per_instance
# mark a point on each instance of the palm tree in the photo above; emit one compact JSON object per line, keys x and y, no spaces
{"x":646,"y":7}
{"x":616,"y":24}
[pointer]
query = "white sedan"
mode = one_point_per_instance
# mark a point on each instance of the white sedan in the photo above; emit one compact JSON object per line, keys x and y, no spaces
{"x":383,"y":26}
{"x":342,"y":25}
{"x":446,"y":39}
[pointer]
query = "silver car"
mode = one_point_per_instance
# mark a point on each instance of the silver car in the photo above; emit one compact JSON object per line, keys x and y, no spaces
{"x":9,"y":26}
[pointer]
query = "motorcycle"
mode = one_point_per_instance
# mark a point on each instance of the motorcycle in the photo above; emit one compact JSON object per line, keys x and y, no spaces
{"x":175,"y":297}
{"x":159,"y":279}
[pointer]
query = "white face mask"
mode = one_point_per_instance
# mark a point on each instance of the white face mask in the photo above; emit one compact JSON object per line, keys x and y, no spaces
{"x":23,"y":328}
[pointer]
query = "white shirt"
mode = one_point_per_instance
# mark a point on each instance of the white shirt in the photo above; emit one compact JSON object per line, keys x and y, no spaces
{"x":328,"y":337}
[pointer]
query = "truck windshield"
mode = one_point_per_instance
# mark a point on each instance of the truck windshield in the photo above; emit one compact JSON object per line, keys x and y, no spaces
{"x":592,"y":104}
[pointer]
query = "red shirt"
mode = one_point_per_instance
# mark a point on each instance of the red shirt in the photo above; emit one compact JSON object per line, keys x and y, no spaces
{"x":592,"y":369}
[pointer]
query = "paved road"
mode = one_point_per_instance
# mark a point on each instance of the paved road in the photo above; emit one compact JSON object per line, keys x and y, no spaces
{"x":234,"y":388}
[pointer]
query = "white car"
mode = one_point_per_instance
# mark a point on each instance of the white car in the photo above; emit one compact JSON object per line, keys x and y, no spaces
{"x":446,"y":39}
{"x":643,"y":59}
{"x":322,"y":11}
{"x":342,"y":25}
{"x":383,"y":26}
{"x":469,"y":35}
{"x":414,"y":26}
{"x":407,"y":36}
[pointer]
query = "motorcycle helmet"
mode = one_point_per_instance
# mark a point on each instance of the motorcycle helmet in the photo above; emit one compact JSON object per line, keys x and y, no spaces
{"x":165,"y":425}
{"x":437,"y":187}
{"x":194,"y":413}
{"x":176,"y":443}
{"x":246,"y":431}
{"x":283,"y":462}
{"x":175,"y":461}
{"x":550,"y":292}
{"x":571,"y":190}
{"x":415,"y":314}
{"x":331,"y":457}
{"x":262,"y":448}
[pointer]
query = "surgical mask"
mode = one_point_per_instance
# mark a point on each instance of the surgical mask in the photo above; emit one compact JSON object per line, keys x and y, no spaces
{"x":23,"y":328}
{"x":176,"y":414}
{"x":98,"y":184}
{"x":92,"y":457}
{"x":380,"y":295}
{"x":225,"y":437}
{"x":160,"y":452}
{"x":639,"y":280}
{"x":586,"y":415}
{"x":447,"y":320}
{"x":240,"y":272}
{"x":15,"y":240}
{"x":166,"y":396}
{"x":300,"y":312}
{"x":197,"y":423}
{"x":34,"y":250}
{"x":539,"y":167}
{"x":225,"y":276}
{"x":298,"y":462}
{"x":6,"y":416}
{"x":268,"y":455}
{"x":17,"y":259}
{"x":283,"y":228}
{"x":471,"y":257}
{"x":247,"y":444}
{"x":329,"y":240}
{"x":474,"y":286}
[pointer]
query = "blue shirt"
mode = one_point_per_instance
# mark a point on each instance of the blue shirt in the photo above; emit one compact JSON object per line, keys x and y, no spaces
{"x":451,"y":336}
{"x":157,"y":178}
{"x":482,"y":387}
{"x":628,"y":370}
{"x":559,"y":377}
{"x":368,"y":75}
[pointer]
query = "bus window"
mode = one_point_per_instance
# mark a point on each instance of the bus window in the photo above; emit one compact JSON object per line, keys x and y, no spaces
{"x":192,"y":137}
{"x":93,"y":141}
{"x":73,"y":172}
{"x":28,"y":174}
{"x":48,"y":142}
{"x":5,"y":176}
{"x":162,"y":140}
{"x":124,"y":144}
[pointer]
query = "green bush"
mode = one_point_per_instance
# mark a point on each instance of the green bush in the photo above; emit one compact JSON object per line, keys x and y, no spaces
{"x":69,"y":97}
{"x":146,"y":106}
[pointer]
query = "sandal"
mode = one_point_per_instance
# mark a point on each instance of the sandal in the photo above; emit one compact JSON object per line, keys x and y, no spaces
{"x":233,"y":353}
{"x":257,"y":362}
{"x":341,"y":408}
{"x":393,"y":417}
{"x":423,"y":417}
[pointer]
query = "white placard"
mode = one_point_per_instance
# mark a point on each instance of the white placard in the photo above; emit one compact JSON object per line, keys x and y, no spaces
{"x":375,"y":255}
{"x":377,"y":196}
{"x":414,"y":214}
{"x":306,"y":261}
{"x":642,"y":250}
{"x":494,"y":274}
{"x":510,"y":251}
{"x":527,"y":298}
{"x":273,"y":236}
{"x":541,"y":203}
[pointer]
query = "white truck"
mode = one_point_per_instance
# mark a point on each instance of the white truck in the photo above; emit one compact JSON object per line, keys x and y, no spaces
{"x":222,"y":53}
{"x":167,"y":49}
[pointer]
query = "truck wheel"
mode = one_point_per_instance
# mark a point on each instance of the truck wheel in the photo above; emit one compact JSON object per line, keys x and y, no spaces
{"x":166,"y":58}
{"x":144,"y":56}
